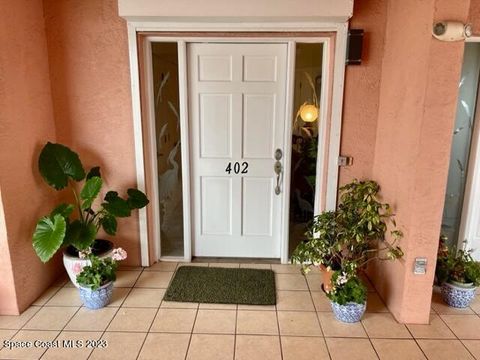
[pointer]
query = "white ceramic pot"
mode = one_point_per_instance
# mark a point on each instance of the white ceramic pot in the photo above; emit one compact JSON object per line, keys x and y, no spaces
{"x":74,"y":265}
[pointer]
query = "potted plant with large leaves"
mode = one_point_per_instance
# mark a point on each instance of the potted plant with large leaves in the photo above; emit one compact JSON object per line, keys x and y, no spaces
{"x":61,"y":168}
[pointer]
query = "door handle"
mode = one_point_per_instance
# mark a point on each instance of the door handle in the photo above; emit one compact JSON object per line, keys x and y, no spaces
{"x":277,"y":168}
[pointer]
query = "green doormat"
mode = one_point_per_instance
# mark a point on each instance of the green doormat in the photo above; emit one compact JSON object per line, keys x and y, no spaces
{"x":222,"y":286}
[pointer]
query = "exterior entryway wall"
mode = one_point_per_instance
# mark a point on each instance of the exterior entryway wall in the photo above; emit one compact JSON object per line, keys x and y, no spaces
{"x":417,"y":103}
{"x":89,"y":76}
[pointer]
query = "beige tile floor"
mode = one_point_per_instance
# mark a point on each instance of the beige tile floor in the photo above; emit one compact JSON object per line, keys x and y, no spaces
{"x":139,"y":325}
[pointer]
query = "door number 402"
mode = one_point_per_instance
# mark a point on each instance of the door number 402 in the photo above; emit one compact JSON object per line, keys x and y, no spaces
{"x":237,"y":168}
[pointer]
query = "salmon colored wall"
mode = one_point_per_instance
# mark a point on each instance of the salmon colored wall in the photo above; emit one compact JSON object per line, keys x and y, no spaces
{"x":26,"y":122}
{"x":8,"y":303}
{"x":89,"y":67}
{"x":418,"y":93}
{"x":362,"y":90}
{"x":474,"y":16}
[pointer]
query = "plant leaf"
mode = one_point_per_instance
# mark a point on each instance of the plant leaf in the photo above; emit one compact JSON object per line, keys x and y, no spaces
{"x":95,"y":171}
{"x":80,"y":235}
{"x":57,"y":163}
{"x":90,"y":191}
{"x":48,"y":236}
{"x":109,"y":224}
{"x":111,"y":195}
{"x":63,"y":209}
{"x":136,"y":199}
{"x":116,"y":206}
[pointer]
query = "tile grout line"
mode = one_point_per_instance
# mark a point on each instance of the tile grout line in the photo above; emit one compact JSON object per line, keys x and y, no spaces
{"x":369,"y":338}
{"x":148,"y":332}
{"x":235,"y":335}
{"x":16,"y":331}
{"x":416,"y":342}
{"x":191,"y":333}
{"x":194,"y":320}
{"x":456,"y":336}
{"x":279,"y":333}
{"x":318,"y":319}
{"x":41,"y":307}
{"x":156,"y":313}
{"x":116,"y":312}
{"x":71,"y":317}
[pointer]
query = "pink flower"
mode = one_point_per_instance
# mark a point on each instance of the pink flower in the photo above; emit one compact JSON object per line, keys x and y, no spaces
{"x":119,"y":254}
{"x":77,"y":268}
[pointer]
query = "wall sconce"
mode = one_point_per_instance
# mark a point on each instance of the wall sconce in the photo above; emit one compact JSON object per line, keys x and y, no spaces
{"x":308,"y":112}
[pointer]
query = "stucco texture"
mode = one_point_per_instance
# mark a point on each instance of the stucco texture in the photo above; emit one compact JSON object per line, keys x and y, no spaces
{"x":89,"y":72}
{"x":26,"y":122}
{"x":362,"y":91}
{"x":418,"y":94}
{"x":65,"y":78}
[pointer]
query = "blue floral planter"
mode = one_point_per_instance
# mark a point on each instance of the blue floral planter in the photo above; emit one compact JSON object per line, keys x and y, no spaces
{"x":457,"y":296}
{"x":348,"y":313}
{"x":96,"y":299}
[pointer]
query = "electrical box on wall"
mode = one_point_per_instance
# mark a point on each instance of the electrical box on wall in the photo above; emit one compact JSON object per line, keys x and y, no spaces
{"x":345,"y":160}
{"x":420,"y":266}
{"x":354,"y":46}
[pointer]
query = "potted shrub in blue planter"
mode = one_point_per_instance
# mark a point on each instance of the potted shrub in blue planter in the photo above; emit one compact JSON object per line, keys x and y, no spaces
{"x":459,"y":275}
{"x":348,"y":297}
{"x":96,"y":280}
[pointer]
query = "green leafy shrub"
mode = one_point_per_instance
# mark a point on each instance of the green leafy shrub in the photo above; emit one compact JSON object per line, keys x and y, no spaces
{"x":352,"y":234}
{"x":100,"y":271}
{"x":60,"y":167}
{"x":457,"y":265}
{"x":347,"y":289}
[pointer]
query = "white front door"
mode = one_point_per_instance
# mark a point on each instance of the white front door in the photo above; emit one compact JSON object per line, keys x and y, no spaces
{"x":237,"y":117}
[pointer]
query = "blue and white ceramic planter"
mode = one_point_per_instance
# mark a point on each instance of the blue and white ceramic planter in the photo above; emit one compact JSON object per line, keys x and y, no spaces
{"x":96,"y":299}
{"x":349,"y":313}
{"x":457,"y":296}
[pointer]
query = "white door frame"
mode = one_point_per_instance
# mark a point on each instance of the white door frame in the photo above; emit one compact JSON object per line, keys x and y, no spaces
{"x":336,"y":95}
{"x":471,"y":196}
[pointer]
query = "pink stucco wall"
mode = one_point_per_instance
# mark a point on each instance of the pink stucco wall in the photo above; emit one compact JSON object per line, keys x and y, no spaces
{"x":26,"y":123}
{"x":400,"y":102}
{"x":89,"y":71}
{"x":362,"y":91}
{"x":418,"y":93}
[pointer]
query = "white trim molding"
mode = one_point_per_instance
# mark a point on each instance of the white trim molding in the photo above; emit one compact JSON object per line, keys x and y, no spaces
{"x":337,"y":84}
{"x":241,"y":11}
{"x":138,"y":139}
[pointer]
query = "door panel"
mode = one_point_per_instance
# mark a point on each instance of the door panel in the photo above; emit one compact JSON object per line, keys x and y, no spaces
{"x":215,"y":125}
{"x":216,"y":205}
{"x":259,"y":68}
{"x":237,"y":117}
{"x":257,"y":206}
{"x":258,"y":125}
{"x":215,"y":68}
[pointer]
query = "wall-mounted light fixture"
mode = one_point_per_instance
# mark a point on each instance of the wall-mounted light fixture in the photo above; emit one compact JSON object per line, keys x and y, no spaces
{"x":451,"y":30}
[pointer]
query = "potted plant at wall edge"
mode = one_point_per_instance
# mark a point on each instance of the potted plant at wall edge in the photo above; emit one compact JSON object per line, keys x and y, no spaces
{"x":96,"y":279}
{"x":354,"y":233}
{"x":458,"y":275}
{"x":61,"y":168}
{"x":348,"y":295}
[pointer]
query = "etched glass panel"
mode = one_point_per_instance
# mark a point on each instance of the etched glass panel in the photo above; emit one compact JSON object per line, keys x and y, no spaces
{"x":167,"y":135}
